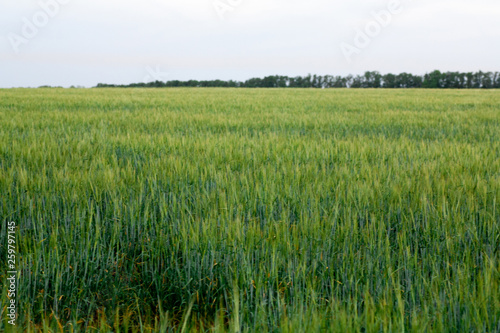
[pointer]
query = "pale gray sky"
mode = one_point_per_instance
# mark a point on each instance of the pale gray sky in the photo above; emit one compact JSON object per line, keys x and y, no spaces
{"x":84,"y":42}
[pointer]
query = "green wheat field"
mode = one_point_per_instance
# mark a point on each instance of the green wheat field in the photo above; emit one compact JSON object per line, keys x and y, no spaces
{"x":249,"y":210}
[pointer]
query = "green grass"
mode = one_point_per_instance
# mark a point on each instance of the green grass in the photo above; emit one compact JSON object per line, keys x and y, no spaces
{"x":253,"y":210}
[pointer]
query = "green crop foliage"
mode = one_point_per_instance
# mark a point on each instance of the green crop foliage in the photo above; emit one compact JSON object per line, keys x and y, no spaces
{"x":235,"y":210}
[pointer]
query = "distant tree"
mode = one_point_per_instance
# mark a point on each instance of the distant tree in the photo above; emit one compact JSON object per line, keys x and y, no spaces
{"x":282,"y":81}
{"x":377,"y":80}
{"x":270,"y":82}
{"x":357,"y":82}
{"x":415,"y":81}
{"x":433,"y":80}
{"x":370,"y":79}
{"x":328,"y":81}
{"x":389,"y":81}
{"x":496,"y":80}
{"x":408,"y":80}
{"x":192,"y":83}
{"x":307,"y":81}
{"x":348,"y":81}
{"x":462,"y":80}
{"x":477,"y":80}
{"x":487,"y":80}
{"x":253,"y":83}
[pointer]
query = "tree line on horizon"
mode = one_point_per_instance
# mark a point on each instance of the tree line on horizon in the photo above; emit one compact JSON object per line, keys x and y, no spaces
{"x":371,"y":79}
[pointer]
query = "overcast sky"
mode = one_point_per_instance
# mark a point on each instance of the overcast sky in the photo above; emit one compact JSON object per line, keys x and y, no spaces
{"x":85,"y":42}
